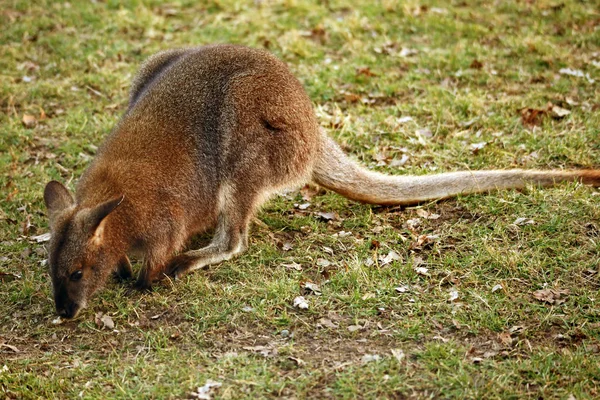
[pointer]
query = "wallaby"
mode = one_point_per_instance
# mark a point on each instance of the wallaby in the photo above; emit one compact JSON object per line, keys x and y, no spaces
{"x":209,"y":134}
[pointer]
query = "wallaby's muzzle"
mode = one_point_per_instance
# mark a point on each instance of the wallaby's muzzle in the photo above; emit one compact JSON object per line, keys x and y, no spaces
{"x":65,"y":307}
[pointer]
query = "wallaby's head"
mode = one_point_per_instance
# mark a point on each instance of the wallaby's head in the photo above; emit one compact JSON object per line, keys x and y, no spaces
{"x":80,"y":258}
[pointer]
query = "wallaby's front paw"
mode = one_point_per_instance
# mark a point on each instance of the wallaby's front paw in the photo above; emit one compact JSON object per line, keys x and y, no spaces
{"x":143,"y":285}
{"x":179,"y":266}
{"x":124,"y":271}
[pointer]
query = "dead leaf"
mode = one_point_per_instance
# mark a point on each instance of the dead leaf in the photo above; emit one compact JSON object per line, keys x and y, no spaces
{"x":559,"y":112}
{"x":8,"y":276}
{"x":327,"y":216}
{"x":453,"y":295}
{"x":402,"y":289}
{"x":104,"y":321}
{"x":367,"y":358}
{"x":298,"y":361}
{"x":44,"y":237}
{"x":203,"y":392}
{"x":354,"y":328}
{"x":422,"y":271}
{"x":523,"y":221}
{"x":391,"y":256}
{"x":312,"y":288}
{"x":366,"y":71}
{"x":532,"y":116}
{"x":293,"y":265}
{"x":302,"y":206}
{"x":265,"y":351}
{"x":398,"y":354}
{"x":327,"y":323}
{"x":301,"y":303}
{"x":496,"y":288}
{"x":551,"y":296}
{"x":505,"y":338}
{"x":475,"y":147}
{"x":476,"y":64}
{"x":29,"y":121}
{"x":308,"y":192}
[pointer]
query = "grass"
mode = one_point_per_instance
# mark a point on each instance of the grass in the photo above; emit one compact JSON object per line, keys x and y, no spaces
{"x":466,"y":71}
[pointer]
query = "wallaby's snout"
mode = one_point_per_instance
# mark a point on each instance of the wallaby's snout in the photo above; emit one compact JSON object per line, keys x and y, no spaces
{"x":65,"y":307}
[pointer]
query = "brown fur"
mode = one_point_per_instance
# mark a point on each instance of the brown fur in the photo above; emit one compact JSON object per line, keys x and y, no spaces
{"x":209,"y":134}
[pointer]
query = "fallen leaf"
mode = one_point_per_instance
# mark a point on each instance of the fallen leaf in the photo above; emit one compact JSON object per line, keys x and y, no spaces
{"x":532,"y":116}
{"x":475,"y":147}
{"x":523,"y":221}
{"x":551,"y":296}
{"x":29,"y":121}
{"x":505,"y":338}
{"x":8,"y":276}
{"x":406,"y":52}
{"x":559,"y":112}
{"x":367,"y":358}
{"x":424,"y":132}
{"x":577,"y":73}
{"x":312,"y":288}
{"x":104,"y":321}
{"x":387,"y":259}
{"x":354,"y":328}
{"x":476,"y":64}
{"x":327,"y":323}
{"x":321,"y":262}
{"x":366,"y":71}
{"x":265,"y":351}
{"x":301,"y":303}
{"x":298,"y":361}
{"x":402,"y":289}
{"x":308,"y":192}
{"x":398,"y":354}
{"x":422,"y":271}
{"x":293,"y":265}
{"x":327,"y":216}
{"x":203,"y":392}
{"x":303,"y":206}
{"x":453,"y":295}
{"x":44,"y":237}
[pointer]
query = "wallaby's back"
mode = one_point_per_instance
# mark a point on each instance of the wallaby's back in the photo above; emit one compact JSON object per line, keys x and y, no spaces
{"x":200,"y":118}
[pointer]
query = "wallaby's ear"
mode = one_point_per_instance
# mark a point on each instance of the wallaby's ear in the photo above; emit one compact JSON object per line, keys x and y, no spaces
{"x":93,"y":221}
{"x":57,"y":198}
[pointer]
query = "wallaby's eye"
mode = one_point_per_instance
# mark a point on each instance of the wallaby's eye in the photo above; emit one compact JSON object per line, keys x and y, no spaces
{"x":75,"y":276}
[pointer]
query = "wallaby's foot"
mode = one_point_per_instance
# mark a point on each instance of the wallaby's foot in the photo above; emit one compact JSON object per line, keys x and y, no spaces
{"x":180,"y":265}
{"x":124,"y":271}
{"x":229,"y":240}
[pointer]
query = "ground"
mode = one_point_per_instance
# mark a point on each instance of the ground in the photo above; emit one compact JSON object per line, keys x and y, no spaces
{"x":483,"y":296}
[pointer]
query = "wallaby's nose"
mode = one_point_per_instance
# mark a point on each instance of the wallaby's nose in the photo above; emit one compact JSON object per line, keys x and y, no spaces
{"x":68,"y":311}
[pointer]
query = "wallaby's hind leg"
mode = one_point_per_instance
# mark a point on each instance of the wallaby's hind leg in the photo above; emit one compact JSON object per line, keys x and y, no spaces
{"x":230,"y":239}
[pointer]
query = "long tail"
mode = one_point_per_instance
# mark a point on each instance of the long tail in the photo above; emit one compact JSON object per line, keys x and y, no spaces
{"x":335,"y":171}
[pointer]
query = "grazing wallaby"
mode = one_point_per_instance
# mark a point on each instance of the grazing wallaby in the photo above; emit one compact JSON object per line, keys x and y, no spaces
{"x":208,"y":135}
